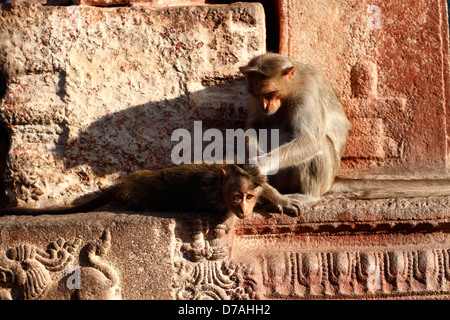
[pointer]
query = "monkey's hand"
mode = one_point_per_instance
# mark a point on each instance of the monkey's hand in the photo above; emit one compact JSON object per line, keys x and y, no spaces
{"x":289,"y":205}
{"x":282,"y":202}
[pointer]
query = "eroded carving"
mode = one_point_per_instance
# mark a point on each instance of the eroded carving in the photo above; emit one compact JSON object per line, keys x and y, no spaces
{"x":29,"y":273}
{"x":337,"y":274}
{"x":204,"y":272}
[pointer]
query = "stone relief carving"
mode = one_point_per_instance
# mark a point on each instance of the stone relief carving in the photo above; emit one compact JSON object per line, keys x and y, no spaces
{"x":336,"y":274}
{"x":28,"y":272}
{"x":203,"y":271}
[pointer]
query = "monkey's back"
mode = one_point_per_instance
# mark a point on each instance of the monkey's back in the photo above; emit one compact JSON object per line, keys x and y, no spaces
{"x":180,"y":188}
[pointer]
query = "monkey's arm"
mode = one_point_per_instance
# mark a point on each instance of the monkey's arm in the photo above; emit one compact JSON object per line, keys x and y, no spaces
{"x":307,"y":136}
{"x":297,"y":151}
{"x":281,"y":202}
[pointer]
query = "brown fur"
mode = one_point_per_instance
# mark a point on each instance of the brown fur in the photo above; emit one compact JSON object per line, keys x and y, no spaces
{"x":208,"y":188}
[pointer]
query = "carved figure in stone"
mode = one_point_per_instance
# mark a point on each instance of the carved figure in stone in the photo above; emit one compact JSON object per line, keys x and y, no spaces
{"x":206,"y":274}
{"x":340,"y":274}
{"x":27,"y":272}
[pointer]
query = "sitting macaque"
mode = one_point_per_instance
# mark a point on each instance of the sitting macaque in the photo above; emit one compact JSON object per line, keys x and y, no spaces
{"x":223,"y":189}
{"x":296,"y":99}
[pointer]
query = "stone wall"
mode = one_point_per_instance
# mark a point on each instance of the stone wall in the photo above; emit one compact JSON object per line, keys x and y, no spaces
{"x":92,"y":93}
{"x":343,"y":248}
{"x":340,"y":248}
{"x":95,"y":93}
{"x":83,"y":82}
{"x":388,"y":62}
{"x":104,"y":255}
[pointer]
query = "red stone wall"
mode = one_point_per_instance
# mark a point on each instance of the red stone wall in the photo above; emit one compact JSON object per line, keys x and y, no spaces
{"x":388,"y":61}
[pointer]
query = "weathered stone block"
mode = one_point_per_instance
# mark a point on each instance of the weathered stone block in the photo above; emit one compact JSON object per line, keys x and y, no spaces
{"x":343,"y":248}
{"x":106,"y":3}
{"x":338,"y":249}
{"x":171,"y":2}
{"x":92,"y":94}
{"x":96,"y":256}
{"x":101,"y":255}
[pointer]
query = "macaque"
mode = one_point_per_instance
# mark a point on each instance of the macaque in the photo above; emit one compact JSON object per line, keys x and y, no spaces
{"x":224,"y":189}
{"x":296,"y":99}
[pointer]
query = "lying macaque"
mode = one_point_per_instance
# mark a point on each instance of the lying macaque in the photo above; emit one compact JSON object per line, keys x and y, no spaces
{"x":223,"y":189}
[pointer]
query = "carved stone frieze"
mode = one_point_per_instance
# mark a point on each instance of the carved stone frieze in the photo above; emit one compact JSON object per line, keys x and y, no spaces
{"x":389,"y":273}
{"x":203,"y":271}
{"x":28,"y":272}
{"x":342,"y":248}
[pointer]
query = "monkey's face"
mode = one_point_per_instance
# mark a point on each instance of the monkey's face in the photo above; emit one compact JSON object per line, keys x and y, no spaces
{"x":239,"y":193}
{"x":242,"y":201}
{"x":269,"y":92}
{"x":269,"y":78}
{"x":269,"y":102}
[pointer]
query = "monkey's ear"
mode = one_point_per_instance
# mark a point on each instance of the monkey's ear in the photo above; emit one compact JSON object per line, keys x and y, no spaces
{"x":289,"y":72}
{"x":243,"y":69}
{"x":222,"y":177}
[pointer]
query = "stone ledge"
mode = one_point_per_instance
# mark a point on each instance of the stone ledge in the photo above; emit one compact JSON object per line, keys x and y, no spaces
{"x":340,"y":249}
{"x":343,"y":213}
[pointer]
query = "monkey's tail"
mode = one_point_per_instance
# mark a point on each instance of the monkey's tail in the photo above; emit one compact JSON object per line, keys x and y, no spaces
{"x":103,"y":198}
{"x":409,"y":192}
{"x":385,"y":189}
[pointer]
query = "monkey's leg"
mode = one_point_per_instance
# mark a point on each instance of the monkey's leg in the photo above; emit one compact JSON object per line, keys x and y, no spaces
{"x":315,"y":178}
{"x":303,"y":199}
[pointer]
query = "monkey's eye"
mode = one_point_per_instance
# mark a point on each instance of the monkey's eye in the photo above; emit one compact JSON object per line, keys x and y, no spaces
{"x":237,"y":197}
{"x":269,"y":95}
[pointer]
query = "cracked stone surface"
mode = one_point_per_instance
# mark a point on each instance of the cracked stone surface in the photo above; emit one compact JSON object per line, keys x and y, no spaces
{"x":96,"y":93}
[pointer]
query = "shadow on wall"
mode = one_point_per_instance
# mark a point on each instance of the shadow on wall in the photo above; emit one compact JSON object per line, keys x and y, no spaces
{"x":5,"y":144}
{"x":140,"y":137}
